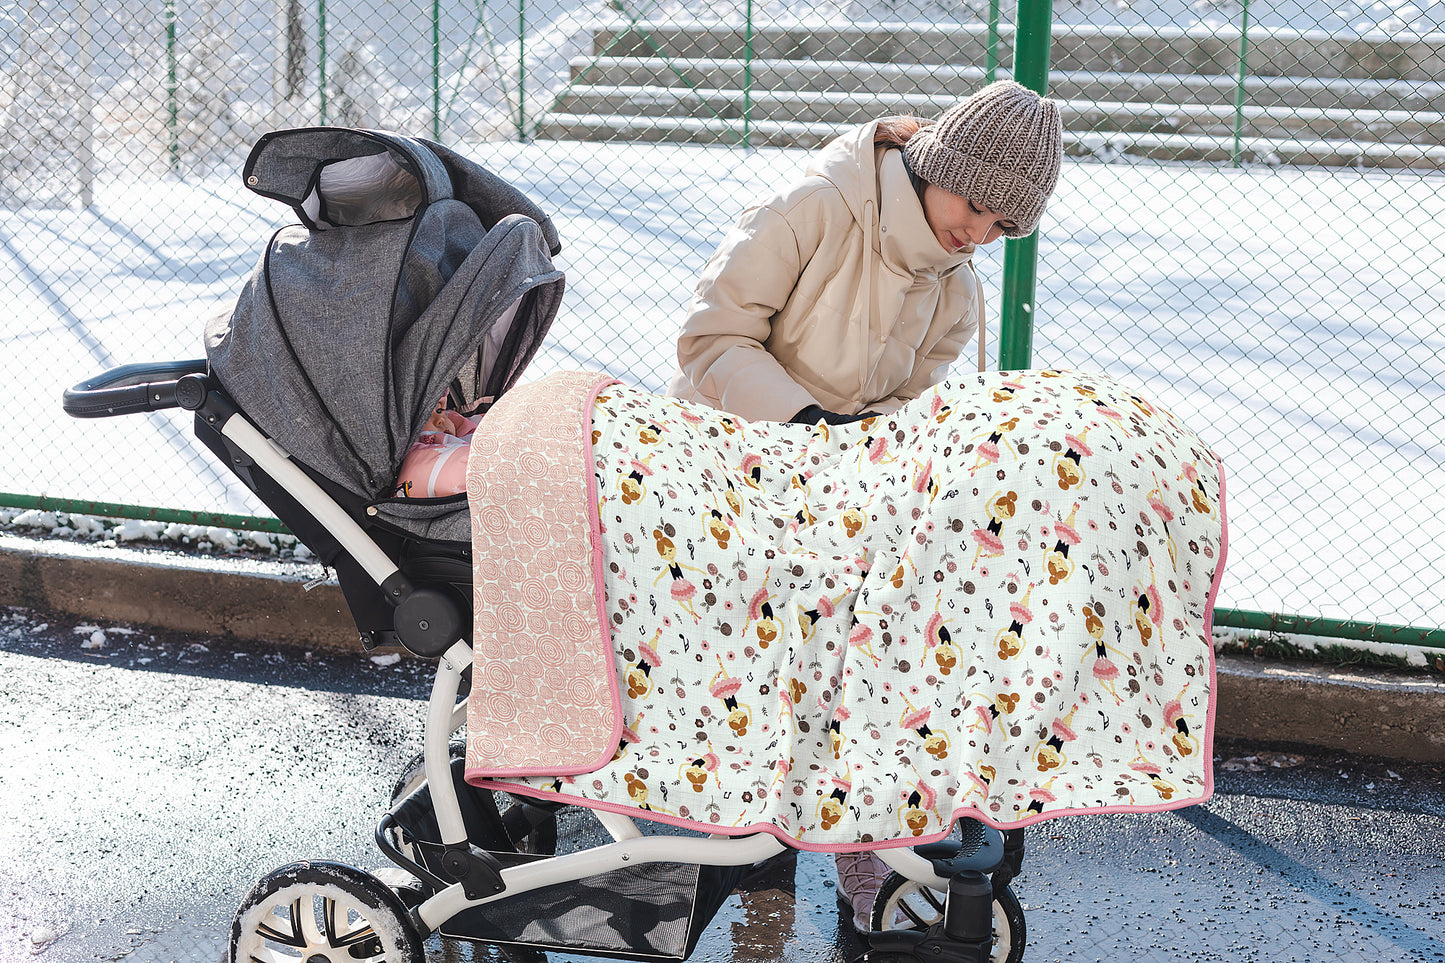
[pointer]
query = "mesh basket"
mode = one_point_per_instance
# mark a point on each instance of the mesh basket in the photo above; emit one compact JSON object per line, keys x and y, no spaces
{"x":654,"y":911}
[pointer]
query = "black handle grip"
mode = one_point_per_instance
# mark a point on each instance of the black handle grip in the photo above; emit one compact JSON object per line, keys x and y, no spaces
{"x":129,"y":389}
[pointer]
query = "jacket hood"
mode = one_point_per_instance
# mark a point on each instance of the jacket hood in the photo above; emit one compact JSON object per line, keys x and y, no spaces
{"x":850,"y":162}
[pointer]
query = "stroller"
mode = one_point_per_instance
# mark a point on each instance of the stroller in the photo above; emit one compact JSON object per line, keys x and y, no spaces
{"x":466,"y":261}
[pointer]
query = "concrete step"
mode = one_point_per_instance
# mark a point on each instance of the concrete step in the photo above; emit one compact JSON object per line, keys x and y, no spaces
{"x":1100,"y":144}
{"x":1215,"y":120}
{"x":1206,"y":51}
{"x":944,"y":84}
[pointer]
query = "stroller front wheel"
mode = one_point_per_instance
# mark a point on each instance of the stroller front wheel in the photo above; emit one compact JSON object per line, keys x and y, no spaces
{"x":904,"y":904}
{"x":322,"y":910}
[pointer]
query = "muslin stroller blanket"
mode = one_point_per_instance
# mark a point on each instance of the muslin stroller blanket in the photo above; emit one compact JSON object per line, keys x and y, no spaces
{"x":995,"y":602}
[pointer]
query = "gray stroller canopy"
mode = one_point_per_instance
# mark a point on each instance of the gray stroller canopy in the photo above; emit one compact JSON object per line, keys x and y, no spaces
{"x":356,"y":322}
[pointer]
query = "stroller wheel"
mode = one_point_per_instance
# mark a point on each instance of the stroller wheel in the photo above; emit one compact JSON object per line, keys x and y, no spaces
{"x":323,"y":911}
{"x":904,"y":904}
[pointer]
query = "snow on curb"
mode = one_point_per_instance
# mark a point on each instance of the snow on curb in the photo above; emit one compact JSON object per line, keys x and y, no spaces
{"x":116,"y":531}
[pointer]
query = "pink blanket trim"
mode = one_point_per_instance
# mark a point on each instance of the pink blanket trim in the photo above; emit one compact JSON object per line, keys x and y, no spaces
{"x":545,"y":697}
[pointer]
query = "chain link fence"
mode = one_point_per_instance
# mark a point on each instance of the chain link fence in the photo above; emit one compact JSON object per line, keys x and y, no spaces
{"x":1248,"y":223}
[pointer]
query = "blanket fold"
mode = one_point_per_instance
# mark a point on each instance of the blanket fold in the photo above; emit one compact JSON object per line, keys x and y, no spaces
{"x":994,"y":602}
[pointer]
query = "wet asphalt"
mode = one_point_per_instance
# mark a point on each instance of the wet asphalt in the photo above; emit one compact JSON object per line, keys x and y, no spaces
{"x":148,"y":779}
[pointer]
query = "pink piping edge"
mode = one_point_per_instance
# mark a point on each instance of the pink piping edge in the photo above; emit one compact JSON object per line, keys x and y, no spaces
{"x":1209,"y":633}
{"x":792,"y":841}
{"x":473,"y":774}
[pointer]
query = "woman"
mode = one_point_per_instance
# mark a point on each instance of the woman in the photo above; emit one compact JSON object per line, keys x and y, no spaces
{"x":852,"y":291}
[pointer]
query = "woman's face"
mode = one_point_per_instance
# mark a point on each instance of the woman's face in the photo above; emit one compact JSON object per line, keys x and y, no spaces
{"x":957,"y":222}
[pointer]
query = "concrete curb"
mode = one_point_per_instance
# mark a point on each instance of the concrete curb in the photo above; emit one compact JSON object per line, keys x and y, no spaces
{"x":1376,"y":713}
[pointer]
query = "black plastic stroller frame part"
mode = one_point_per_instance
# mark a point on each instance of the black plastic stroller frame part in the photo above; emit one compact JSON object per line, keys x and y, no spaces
{"x":974,"y":873}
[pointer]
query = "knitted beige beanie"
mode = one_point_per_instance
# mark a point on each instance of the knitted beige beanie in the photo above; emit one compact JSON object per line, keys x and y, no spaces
{"x":1001,"y":148}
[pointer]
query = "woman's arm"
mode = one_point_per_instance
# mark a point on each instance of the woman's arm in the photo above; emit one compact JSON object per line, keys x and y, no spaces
{"x":721,"y":349}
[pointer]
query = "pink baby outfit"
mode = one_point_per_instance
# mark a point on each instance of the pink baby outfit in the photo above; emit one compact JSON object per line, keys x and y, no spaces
{"x":436,"y":463}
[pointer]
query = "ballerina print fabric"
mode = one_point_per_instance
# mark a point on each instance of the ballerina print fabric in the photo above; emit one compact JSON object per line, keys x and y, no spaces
{"x":994,"y":602}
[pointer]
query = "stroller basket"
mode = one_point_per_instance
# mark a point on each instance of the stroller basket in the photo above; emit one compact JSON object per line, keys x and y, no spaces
{"x":655,"y":911}
{"x":652,"y":911}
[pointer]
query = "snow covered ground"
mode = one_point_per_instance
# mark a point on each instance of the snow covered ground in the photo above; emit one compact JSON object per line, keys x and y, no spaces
{"x":1293,"y":318}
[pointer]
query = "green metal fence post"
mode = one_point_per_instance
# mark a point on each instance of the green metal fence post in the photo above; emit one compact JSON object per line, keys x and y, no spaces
{"x":172,"y":88}
{"x":990,"y":73}
{"x":436,"y":70}
{"x":321,"y":56}
{"x":748,"y":78}
{"x":1239,"y":86}
{"x":521,"y":70}
{"x":1033,"y":37}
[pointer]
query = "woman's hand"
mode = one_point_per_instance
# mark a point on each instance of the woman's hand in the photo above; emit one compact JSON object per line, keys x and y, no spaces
{"x":813,"y":414}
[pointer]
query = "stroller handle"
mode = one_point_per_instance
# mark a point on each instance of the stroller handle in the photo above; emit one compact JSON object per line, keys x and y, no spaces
{"x":133,"y":388}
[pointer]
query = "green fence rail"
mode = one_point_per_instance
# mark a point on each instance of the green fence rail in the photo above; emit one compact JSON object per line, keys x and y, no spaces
{"x":1247,"y":222}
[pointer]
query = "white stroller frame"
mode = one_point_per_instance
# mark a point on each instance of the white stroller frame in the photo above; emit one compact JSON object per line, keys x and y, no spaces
{"x":976,"y":913}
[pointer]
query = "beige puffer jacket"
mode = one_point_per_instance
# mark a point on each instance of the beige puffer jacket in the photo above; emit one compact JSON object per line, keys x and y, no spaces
{"x":833,"y":292}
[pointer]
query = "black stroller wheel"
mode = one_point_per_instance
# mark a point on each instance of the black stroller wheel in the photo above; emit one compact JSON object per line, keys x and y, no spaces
{"x":322,"y":910}
{"x":903,"y":904}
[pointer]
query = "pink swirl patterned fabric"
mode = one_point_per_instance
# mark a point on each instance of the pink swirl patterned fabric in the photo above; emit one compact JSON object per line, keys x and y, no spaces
{"x":544,"y":696}
{"x":995,"y":602}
